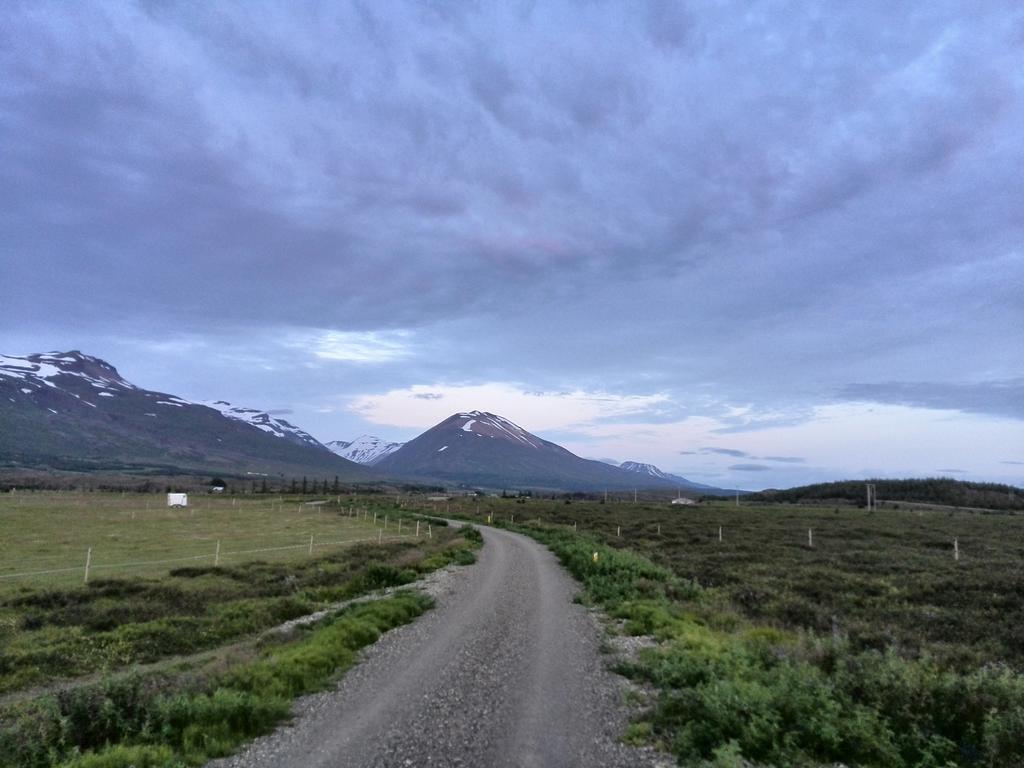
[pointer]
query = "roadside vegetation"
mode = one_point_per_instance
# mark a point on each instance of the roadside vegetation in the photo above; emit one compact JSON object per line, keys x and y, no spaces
{"x":874,"y":647}
{"x":172,"y":669}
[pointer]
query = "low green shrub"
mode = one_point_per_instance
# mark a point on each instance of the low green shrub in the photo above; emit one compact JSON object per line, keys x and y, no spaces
{"x":157,"y":720}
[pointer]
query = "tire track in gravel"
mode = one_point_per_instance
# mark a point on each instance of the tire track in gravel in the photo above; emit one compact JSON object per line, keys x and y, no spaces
{"x":505,"y":671}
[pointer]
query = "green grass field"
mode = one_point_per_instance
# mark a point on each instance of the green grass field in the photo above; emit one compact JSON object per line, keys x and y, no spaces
{"x":162,"y":658}
{"x":137,"y":534}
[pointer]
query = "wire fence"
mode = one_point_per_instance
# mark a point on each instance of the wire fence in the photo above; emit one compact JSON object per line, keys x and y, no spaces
{"x":91,"y":559}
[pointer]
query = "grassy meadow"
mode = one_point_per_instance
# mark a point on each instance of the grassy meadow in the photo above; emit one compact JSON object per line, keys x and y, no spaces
{"x":165,"y":659}
{"x":138,"y":534}
{"x":882,"y":580}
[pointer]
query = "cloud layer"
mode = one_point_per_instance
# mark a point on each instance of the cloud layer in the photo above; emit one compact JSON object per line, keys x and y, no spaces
{"x":744,"y":211}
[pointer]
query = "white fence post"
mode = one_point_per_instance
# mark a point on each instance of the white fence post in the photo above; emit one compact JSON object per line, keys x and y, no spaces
{"x":216,"y":555}
{"x":311,"y":543}
{"x":88,"y":562}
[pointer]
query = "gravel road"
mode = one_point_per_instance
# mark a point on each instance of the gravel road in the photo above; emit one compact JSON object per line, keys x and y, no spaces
{"x":505,"y":671}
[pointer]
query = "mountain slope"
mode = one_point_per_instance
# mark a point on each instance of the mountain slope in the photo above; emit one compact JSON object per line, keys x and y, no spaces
{"x":649,"y":470}
{"x":72,"y":411}
{"x":365,"y":449}
{"x":263,"y":421}
{"x":483,"y":449}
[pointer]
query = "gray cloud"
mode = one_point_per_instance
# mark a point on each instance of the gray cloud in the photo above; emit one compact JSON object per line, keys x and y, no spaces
{"x":1001,"y":398}
{"x":750,"y":468}
{"x":725,"y":452}
{"x":785,"y":459}
{"x":746,"y":227}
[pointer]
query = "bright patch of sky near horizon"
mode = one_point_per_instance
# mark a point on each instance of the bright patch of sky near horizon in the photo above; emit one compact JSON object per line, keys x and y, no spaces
{"x":697,"y":235}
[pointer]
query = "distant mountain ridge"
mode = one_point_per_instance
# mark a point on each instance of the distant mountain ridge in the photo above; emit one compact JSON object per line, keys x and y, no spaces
{"x":678,"y":481}
{"x":483,"y":449}
{"x":69,"y":410}
{"x":264,"y":421}
{"x":365,"y":449}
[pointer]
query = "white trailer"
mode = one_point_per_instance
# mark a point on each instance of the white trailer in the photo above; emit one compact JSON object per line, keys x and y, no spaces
{"x":177,"y":499}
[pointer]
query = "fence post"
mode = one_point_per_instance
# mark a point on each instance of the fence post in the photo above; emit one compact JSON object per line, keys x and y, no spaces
{"x":417,"y":529}
{"x":399,"y":526}
{"x":216,"y":555}
{"x":810,"y":538}
{"x":719,"y":534}
{"x":380,"y":535}
{"x":311,"y":543}
{"x":618,"y":531}
{"x":956,"y":549}
{"x":88,"y":562}
{"x":430,"y":533}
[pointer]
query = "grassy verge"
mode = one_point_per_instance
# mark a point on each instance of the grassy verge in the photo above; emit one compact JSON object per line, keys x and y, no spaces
{"x":159,"y":720}
{"x":730,"y":690}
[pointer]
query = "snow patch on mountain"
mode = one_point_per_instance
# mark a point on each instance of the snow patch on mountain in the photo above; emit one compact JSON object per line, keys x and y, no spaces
{"x":644,"y":469}
{"x":365,"y":449}
{"x":491,"y":425}
{"x":259,"y":419}
{"x":49,"y":368}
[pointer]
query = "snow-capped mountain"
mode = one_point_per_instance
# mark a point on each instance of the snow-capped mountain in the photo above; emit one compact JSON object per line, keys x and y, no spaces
{"x":48,"y":370}
{"x":649,"y":470}
{"x":365,"y":449}
{"x":263,"y":420}
{"x":69,"y":410}
{"x":483,"y":449}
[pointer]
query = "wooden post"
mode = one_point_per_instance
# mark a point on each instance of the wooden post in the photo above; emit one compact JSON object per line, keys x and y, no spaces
{"x":719,"y":534}
{"x":216,"y":555}
{"x":311,"y":543}
{"x":810,"y":538}
{"x":88,"y":562}
{"x":618,"y":531}
{"x":513,"y":519}
{"x":417,"y":529}
{"x":956,"y":549}
{"x":659,"y":529}
{"x":430,"y":533}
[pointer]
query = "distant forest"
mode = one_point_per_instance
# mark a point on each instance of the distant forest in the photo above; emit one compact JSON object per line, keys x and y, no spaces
{"x":931,"y":490}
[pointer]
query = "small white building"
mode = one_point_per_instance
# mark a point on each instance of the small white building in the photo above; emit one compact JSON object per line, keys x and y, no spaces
{"x":684,"y":500}
{"x":177,"y":499}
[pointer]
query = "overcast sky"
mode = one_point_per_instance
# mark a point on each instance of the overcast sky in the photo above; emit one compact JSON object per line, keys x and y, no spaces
{"x":754,"y":243}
